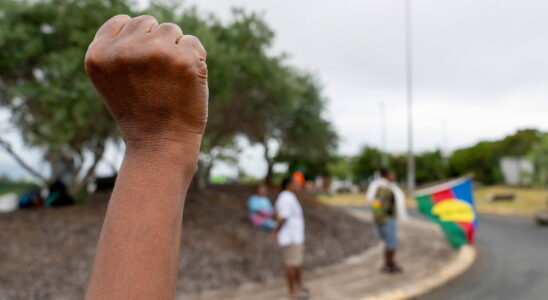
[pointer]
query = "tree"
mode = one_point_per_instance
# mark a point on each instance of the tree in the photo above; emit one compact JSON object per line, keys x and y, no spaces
{"x":54,"y":107}
{"x":248,"y":86}
{"x":308,"y":141}
{"x":366,"y":163}
{"x":340,"y":167}
{"x":539,"y":156}
{"x":430,"y":167}
{"x":483,"y":159}
{"x":520,"y":143}
{"x":43,"y":83}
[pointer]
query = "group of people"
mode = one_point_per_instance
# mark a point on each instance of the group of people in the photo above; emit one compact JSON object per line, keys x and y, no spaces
{"x":286,"y":221}
{"x":54,"y":195}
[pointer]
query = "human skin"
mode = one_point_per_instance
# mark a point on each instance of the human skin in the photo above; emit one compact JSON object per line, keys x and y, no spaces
{"x":293,"y":274}
{"x":153,"y":80}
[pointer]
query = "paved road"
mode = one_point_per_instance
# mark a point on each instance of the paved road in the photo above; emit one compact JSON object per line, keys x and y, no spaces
{"x":512,"y":263}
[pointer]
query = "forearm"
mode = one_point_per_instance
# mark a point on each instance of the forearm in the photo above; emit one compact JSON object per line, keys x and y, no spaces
{"x":280,"y":225}
{"x":138,"y":252}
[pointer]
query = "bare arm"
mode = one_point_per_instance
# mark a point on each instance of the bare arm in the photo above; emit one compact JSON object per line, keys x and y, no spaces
{"x":153,"y":80}
{"x":281,"y":224}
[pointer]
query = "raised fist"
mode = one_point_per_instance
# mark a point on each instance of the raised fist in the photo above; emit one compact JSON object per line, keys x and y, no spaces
{"x":152,"y":78}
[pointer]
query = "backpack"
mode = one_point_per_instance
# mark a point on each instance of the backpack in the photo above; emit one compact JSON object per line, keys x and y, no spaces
{"x":383,"y":205}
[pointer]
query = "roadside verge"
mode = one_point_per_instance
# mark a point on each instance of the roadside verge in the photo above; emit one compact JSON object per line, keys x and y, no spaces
{"x":464,"y":259}
{"x":428,"y":260}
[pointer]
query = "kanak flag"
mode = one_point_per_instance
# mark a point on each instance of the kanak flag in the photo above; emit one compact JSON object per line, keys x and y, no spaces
{"x":451,"y":205}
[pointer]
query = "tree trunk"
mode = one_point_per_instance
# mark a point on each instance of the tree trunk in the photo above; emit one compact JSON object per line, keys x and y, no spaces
{"x":269,"y":164}
{"x":21,"y":162}
{"x":201,"y":178}
{"x":79,"y":186}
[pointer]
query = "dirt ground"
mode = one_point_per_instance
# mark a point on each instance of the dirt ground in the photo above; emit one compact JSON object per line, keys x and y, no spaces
{"x":47,"y":253}
{"x":423,"y":252}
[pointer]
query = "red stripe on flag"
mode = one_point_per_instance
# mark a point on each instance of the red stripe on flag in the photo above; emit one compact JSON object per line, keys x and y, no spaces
{"x":443,"y":195}
{"x":469,"y":230}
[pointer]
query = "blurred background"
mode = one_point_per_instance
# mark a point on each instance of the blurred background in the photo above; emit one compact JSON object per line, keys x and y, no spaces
{"x":336,"y":90}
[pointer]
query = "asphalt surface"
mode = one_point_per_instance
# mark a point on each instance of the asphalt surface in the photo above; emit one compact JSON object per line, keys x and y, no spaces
{"x":512,"y":263}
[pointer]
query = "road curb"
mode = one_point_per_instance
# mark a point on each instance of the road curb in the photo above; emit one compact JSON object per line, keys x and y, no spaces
{"x":462,"y":261}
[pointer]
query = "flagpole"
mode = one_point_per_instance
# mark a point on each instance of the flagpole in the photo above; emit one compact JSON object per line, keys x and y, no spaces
{"x":409,"y":94}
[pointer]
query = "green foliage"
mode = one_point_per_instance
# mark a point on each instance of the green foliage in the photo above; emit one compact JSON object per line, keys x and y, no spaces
{"x":520,"y":143}
{"x":308,"y":141}
{"x":245,"y":178}
{"x":19,"y":187}
{"x":43,"y":83}
{"x":483,"y":159}
{"x":55,"y":108}
{"x":366,"y":163}
{"x":539,"y":156}
{"x":398,"y":163}
{"x":340,"y":167}
{"x":430,"y":167}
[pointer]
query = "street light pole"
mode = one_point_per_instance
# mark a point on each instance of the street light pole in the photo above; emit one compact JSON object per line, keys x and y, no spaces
{"x":409,"y":94}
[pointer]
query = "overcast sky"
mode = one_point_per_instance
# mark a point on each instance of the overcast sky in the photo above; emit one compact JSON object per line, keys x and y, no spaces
{"x":480,"y":67}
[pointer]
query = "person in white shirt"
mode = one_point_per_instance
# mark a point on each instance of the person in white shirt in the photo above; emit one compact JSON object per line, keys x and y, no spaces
{"x":290,"y":235}
{"x":388,"y":203}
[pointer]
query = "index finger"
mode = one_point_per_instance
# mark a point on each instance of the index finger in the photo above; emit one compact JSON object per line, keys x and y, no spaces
{"x":112,"y":27}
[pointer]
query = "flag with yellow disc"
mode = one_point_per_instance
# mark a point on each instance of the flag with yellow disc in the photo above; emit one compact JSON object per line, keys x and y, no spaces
{"x":452,"y":206}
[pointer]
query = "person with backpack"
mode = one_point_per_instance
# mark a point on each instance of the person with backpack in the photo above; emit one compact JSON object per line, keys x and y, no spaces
{"x":388,"y":203}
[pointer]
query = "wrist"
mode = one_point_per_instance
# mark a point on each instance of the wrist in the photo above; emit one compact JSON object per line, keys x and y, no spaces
{"x":181,"y":153}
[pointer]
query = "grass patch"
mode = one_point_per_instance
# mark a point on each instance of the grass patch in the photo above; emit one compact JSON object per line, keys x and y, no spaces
{"x":343,"y":199}
{"x":8,"y":186}
{"x":527,"y":200}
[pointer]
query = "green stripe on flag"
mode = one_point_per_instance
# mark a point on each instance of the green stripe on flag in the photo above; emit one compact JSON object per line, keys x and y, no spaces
{"x":453,"y":232}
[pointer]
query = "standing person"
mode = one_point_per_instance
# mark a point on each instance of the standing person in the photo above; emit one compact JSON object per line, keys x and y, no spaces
{"x":260,"y":209}
{"x":388,"y":202}
{"x":290,"y":235}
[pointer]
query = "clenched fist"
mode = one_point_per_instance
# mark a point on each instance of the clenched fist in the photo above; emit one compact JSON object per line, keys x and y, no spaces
{"x":152,"y":78}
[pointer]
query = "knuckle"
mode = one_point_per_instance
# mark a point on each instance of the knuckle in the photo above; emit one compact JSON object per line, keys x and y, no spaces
{"x":119,"y":17}
{"x":193,"y":40}
{"x":91,"y":61}
{"x":192,"y":67}
{"x":197,"y":45}
{"x":93,"y":58}
{"x":144,"y":18}
{"x":156,"y":50}
{"x":121,"y":53}
{"x":124,"y":55}
{"x":171,"y":26}
{"x":183,"y":63}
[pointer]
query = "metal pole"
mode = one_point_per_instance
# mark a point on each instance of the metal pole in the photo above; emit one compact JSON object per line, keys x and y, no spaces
{"x":409,"y":76}
{"x":383,"y":136}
